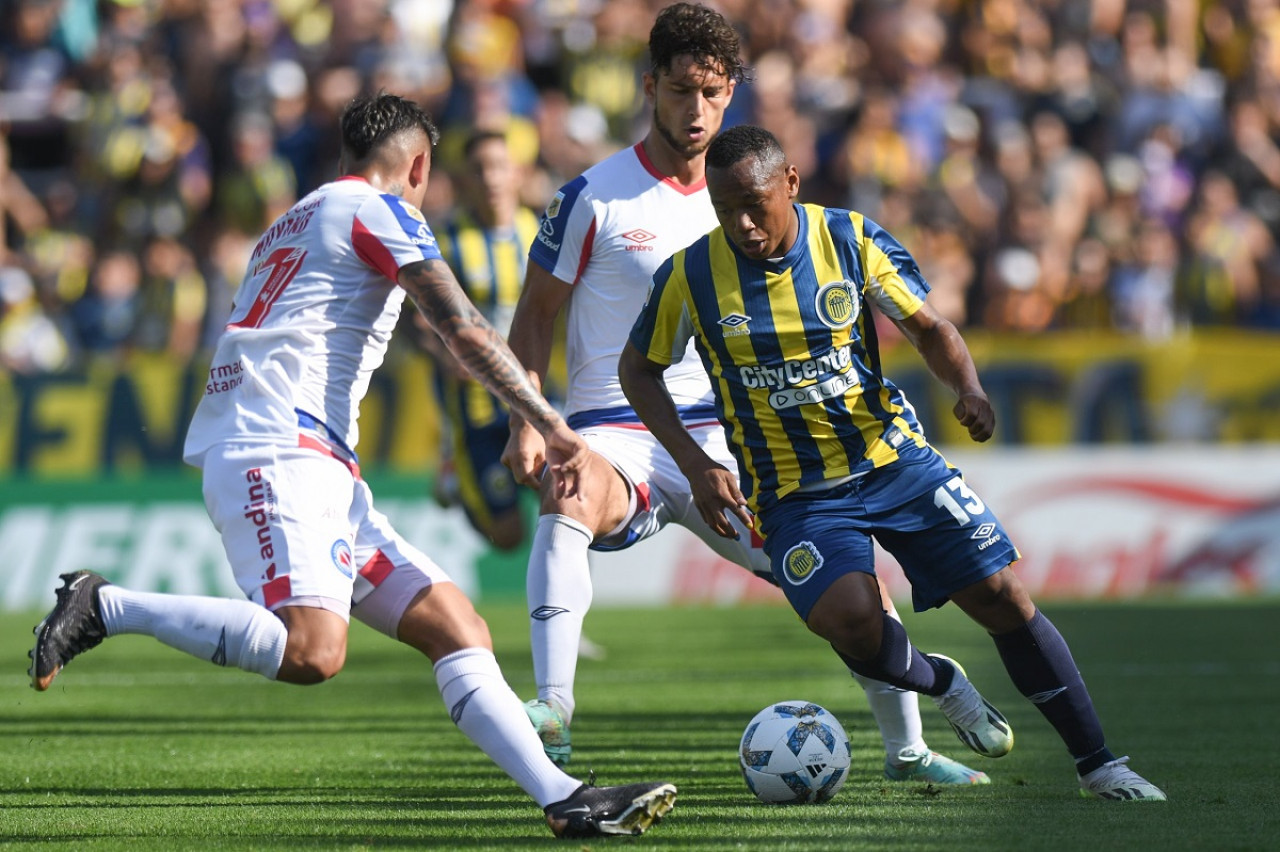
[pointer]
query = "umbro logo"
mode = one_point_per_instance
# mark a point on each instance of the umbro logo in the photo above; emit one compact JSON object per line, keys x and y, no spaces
{"x":639,"y":239}
{"x":735,"y":324}
{"x":983,"y":531}
{"x":1047,"y":696}
{"x":219,"y":657}
{"x":455,"y":712}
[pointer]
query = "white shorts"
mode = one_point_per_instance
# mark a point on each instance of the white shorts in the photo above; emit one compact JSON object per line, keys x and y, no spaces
{"x":299,"y":529}
{"x":660,"y":494}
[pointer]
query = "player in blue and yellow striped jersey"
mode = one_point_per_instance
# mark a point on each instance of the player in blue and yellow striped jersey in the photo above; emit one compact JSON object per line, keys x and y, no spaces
{"x":830,"y":454}
{"x":486,"y":243}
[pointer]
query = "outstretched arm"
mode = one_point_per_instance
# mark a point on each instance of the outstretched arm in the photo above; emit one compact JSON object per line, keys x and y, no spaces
{"x":486,"y":356}
{"x":715,"y":488}
{"x":948,"y":358}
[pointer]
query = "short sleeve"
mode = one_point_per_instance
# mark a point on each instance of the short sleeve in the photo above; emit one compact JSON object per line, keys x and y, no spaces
{"x":566,"y":232}
{"x":389,"y":233}
{"x":893,"y":279}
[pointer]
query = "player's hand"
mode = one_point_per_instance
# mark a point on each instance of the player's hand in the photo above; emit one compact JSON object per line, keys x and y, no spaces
{"x":567,"y":456}
{"x":715,"y":493}
{"x":975,"y":413}
{"x":525,"y":454}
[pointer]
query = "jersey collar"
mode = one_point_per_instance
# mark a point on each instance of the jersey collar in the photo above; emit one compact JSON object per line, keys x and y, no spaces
{"x":691,"y":189}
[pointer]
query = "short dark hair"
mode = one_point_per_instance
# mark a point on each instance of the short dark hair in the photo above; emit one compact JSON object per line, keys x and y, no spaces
{"x":478,"y":137}
{"x":691,"y":29}
{"x":739,"y":143}
{"x":370,"y":120}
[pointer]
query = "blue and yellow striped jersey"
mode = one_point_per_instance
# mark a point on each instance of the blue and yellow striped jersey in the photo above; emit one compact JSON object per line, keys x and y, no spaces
{"x":791,"y":351}
{"x":489,"y":263}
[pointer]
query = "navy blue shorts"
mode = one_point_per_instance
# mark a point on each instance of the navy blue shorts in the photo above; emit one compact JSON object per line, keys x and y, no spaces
{"x":478,"y":430}
{"x":918,"y":508}
{"x":485,"y":484}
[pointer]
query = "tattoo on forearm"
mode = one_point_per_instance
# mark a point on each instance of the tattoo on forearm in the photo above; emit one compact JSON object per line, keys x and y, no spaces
{"x":472,"y":340}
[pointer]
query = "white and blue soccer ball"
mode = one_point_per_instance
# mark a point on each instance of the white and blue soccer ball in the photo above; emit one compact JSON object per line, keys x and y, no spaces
{"x":794,"y":752}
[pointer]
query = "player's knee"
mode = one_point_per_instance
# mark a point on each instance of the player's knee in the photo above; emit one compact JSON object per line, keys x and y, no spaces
{"x":849,"y":616}
{"x":551,"y":503}
{"x":999,"y":603}
{"x":467,"y":629}
{"x":506,"y":535}
{"x":854,"y":635}
{"x":601,"y":499}
{"x":442,"y":620}
{"x":309,"y":665}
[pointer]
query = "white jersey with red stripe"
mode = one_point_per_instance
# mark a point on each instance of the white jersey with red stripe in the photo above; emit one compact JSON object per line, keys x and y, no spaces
{"x":312,"y":320}
{"x":606,"y":232}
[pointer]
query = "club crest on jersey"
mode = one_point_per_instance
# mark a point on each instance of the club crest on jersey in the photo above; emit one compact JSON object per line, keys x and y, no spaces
{"x":553,"y":209}
{"x":837,"y":304}
{"x":414,"y":213}
{"x":801,"y":562}
{"x":342,"y":557}
{"x":547,"y":227}
{"x":735,"y":324}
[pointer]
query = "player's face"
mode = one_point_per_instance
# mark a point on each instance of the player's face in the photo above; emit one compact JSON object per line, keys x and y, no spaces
{"x":492,"y":179}
{"x":753,"y":206}
{"x":689,"y":100}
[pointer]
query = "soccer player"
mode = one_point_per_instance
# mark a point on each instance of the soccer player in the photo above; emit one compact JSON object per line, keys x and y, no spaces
{"x":778,"y":302}
{"x":485,"y":243}
{"x":602,"y":237}
{"x":275,"y":434}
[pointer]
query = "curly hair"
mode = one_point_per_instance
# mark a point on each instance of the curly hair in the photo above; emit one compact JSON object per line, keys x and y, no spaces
{"x":691,"y":29}
{"x":370,"y":120}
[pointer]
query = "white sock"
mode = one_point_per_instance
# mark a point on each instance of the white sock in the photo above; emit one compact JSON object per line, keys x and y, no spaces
{"x":558,"y":588}
{"x":897,"y":714}
{"x":224,"y":631}
{"x":484,"y":708}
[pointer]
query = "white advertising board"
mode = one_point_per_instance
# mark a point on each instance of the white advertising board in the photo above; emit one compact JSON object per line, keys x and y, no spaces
{"x":1106,"y":522}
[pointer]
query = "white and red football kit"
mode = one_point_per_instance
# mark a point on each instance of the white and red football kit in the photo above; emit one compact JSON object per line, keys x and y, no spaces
{"x":606,"y":232}
{"x":275,"y":432}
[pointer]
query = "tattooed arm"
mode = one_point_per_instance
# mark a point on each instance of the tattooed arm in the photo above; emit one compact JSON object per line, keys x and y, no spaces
{"x":479,"y":347}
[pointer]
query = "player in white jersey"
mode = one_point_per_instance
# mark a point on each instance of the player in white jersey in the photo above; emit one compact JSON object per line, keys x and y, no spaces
{"x":275,"y":435}
{"x":602,"y":237}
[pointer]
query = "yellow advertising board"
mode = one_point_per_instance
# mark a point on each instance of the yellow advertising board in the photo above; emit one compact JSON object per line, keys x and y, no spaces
{"x":1048,"y":390}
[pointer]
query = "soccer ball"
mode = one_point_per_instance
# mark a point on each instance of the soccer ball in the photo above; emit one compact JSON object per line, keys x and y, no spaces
{"x":794,"y":752}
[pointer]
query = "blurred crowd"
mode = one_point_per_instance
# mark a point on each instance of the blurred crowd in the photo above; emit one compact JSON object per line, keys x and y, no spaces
{"x":1052,"y":164}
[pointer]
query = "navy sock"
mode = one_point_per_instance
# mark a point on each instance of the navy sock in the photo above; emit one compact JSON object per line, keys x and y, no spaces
{"x":900,"y":664}
{"x":1041,"y":667}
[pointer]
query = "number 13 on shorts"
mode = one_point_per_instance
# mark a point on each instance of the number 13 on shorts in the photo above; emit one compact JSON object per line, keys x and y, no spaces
{"x":958,"y":499}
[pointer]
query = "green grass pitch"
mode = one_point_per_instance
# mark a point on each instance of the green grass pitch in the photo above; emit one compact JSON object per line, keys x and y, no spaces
{"x":137,"y":747}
